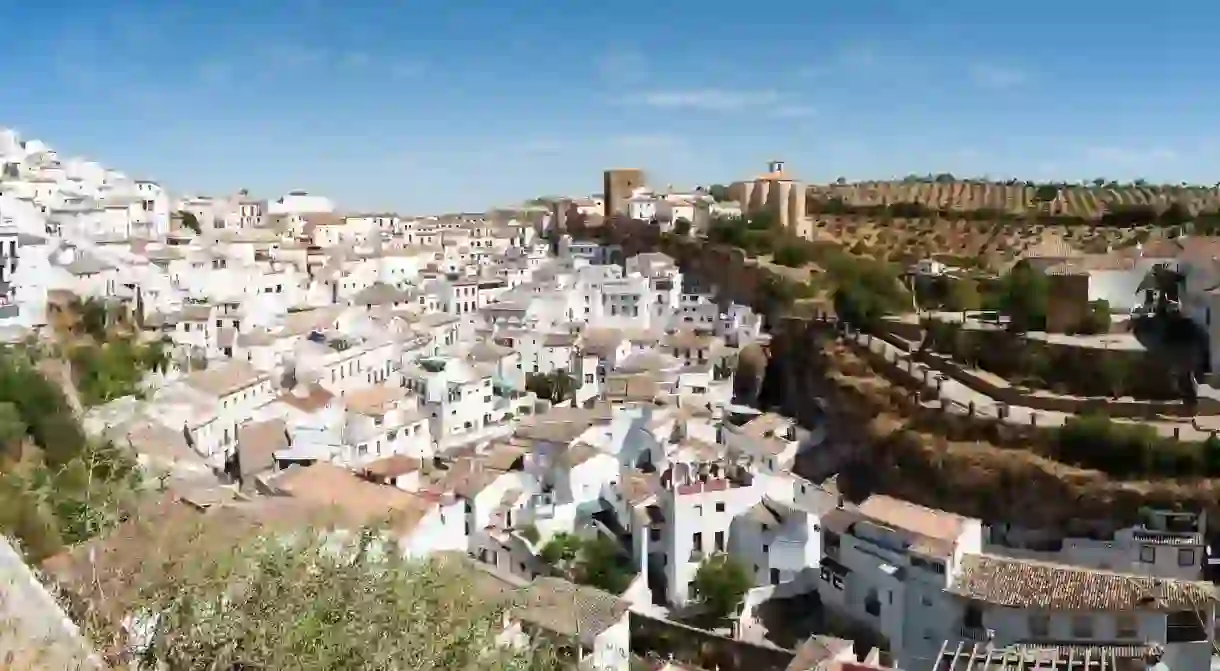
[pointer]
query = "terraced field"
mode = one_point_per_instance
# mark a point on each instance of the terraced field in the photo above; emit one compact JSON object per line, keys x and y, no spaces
{"x":1081,"y":201}
{"x":989,"y":244}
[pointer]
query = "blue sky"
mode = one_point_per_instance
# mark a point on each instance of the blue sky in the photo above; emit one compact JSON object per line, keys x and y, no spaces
{"x":425,"y":105}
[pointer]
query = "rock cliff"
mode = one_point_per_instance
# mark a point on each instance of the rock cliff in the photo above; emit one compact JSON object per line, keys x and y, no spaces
{"x":887,"y":443}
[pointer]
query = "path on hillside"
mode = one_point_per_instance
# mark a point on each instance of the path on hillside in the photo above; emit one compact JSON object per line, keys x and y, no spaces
{"x":957,"y":397}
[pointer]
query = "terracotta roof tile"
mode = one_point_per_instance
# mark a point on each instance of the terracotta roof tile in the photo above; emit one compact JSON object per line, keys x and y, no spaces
{"x":1021,"y":583}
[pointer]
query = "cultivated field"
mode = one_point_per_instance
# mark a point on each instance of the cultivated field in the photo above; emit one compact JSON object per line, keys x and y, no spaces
{"x":1080,"y":201}
{"x":987,"y":243}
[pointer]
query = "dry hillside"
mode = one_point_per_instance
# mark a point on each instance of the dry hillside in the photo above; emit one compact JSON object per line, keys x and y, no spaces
{"x":1089,"y":202}
{"x":905,"y":240}
{"x":938,"y":461}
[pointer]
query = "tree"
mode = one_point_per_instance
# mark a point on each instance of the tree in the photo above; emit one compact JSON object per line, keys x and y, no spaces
{"x":12,"y":430}
{"x":1211,"y":455}
{"x":682,"y":227}
{"x":191,"y":222}
{"x":720,"y":585}
{"x":762,"y":220}
{"x":1099,"y":182}
{"x":301,"y":603}
{"x":791,"y":255}
{"x":1046,"y":193}
{"x":1023,"y":297}
{"x":555,"y":387}
{"x":596,"y":561}
{"x":1175,"y":215}
{"x":70,"y":488}
{"x":94,"y":317}
{"x":748,"y":378}
{"x":560,"y":552}
{"x":1097,"y":319}
{"x":719,"y":193}
{"x":963,"y":295}
{"x":601,"y":565}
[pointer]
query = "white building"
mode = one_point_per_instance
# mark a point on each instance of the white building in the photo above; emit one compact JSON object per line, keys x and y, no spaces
{"x":299,"y":202}
{"x":456,"y":395}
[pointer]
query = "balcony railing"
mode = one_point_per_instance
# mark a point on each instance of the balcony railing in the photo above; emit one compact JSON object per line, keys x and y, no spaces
{"x":977,"y":633}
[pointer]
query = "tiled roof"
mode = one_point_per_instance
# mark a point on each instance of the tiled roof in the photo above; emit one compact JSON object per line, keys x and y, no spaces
{"x":379,"y":293}
{"x":567,"y":609}
{"x":257,"y":443}
{"x":931,"y":532}
{"x":818,"y":649}
{"x":308,"y":398}
{"x":357,"y":501}
{"x":392,"y":466}
{"x":374,"y":401}
{"x":1022,"y":583}
{"x":1051,"y":246}
{"x":226,"y":379}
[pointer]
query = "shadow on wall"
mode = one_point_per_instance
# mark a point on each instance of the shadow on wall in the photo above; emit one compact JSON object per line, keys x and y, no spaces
{"x":658,"y":637}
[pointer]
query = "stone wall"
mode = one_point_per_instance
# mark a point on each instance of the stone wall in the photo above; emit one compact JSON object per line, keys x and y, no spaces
{"x":654,"y":636}
{"x":1067,"y":302}
{"x":1146,"y":376}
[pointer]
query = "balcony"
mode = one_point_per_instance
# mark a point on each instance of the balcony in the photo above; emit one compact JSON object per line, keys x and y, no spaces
{"x":980,"y":634}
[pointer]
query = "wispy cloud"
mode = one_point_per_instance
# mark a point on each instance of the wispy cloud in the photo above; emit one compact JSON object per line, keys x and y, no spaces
{"x":711,"y":100}
{"x":997,"y":77}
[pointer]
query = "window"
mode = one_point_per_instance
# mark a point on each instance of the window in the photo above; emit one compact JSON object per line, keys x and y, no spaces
{"x":872,"y":603}
{"x":1186,"y":557}
{"x":1082,"y":626}
{"x":697,"y":541}
{"x":766,"y":548}
{"x":699,"y":510}
{"x":1126,"y":626}
{"x":720,"y":506}
{"x":719,"y":541}
{"x":1147,"y":554}
{"x":654,"y":534}
{"x":774,"y":576}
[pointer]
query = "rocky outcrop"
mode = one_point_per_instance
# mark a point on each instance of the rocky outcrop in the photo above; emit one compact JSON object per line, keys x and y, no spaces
{"x":973,"y":467}
{"x":970,"y":467}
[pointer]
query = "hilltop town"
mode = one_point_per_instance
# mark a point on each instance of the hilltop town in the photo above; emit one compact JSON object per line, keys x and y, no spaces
{"x":922,"y":425}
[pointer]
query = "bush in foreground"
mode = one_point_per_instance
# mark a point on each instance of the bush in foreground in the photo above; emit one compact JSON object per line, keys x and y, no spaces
{"x":212,"y":597}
